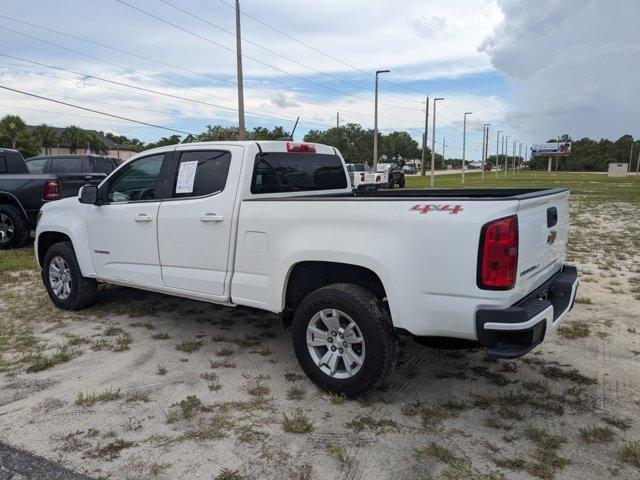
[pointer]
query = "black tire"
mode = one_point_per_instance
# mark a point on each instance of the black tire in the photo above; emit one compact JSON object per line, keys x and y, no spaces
{"x":82,"y":290}
{"x":12,"y":218}
{"x":390,"y":183}
{"x":371,"y":318}
{"x":401,"y":182}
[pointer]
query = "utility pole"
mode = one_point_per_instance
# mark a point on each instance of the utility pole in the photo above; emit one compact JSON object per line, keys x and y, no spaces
{"x":444,"y":141}
{"x":513,"y":157}
{"x":519,"y":156}
{"x":375,"y":124}
{"x":638,"y":164}
{"x":497,"y":150}
{"x":433,"y":143}
{"x":241,"y":128}
{"x":506,"y":154}
{"x":464,"y":142}
{"x":485,"y":145}
{"x":337,"y":119}
{"x":630,"y":156}
{"x":423,"y":166}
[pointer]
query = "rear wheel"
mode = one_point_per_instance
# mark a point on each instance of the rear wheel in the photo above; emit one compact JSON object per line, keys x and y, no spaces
{"x":343,"y":339}
{"x":390,"y":183}
{"x":14,"y":228}
{"x":401,"y":183}
{"x":62,"y":277}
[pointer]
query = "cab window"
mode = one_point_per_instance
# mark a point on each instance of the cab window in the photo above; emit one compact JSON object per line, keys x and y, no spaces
{"x":201,"y":173}
{"x":136,"y":181}
{"x":36,"y":166}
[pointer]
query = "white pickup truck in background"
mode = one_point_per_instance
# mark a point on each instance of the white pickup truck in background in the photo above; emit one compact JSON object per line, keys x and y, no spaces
{"x":276,"y":226}
{"x":361,"y":176}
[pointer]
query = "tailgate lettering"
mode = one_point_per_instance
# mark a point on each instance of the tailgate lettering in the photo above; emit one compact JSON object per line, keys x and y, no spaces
{"x":425,"y":208}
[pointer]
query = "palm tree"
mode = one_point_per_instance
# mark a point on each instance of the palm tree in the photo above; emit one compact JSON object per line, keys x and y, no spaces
{"x":11,"y":126}
{"x":74,"y":137}
{"x":46,"y":136}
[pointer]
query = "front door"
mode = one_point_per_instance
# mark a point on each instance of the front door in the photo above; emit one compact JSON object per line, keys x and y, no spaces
{"x":194,"y":229}
{"x":123,"y":229}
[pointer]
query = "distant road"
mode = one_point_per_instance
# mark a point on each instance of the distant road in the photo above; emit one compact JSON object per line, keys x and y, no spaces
{"x":20,"y":465}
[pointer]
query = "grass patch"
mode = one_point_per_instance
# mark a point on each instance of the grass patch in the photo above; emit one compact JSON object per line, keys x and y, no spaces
{"x":258,"y":390}
{"x":90,"y":399}
{"x":122,"y":343}
{"x":619,"y":423}
{"x":185,"y":409}
{"x":595,"y":434}
{"x":111,"y":450}
{"x":339,"y":452}
{"x":573,"y":330}
{"x":142,"y":396}
{"x":161,"y":336}
{"x":211,"y":429}
{"x":296,"y":393}
{"x":41,"y":362}
{"x":366,"y":422}
{"x":298,"y":422}
{"x":227,"y":474}
{"x":584,"y":300}
{"x":629,"y":453}
{"x":573,"y":375}
{"x":188,"y":346}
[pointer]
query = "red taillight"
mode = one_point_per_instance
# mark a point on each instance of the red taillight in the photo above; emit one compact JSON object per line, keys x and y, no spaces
{"x":362,"y":176}
{"x":498,"y":254}
{"x":377,"y":178}
{"x":300,"y":147}
{"x":51,"y":190}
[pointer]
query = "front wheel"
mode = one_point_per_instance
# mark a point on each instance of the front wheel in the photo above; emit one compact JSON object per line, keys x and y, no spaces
{"x":62,"y":277}
{"x":401,"y":182}
{"x":343,"y":339}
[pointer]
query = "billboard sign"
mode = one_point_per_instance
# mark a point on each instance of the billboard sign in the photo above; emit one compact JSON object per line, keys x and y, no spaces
{"x":561,"y":149}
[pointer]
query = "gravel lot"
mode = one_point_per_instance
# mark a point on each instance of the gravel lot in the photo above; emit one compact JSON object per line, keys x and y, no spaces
{"x":149,"y":386}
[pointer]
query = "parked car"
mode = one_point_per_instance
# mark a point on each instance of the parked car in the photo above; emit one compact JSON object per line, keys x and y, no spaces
{"x":276,"y":226}
{"x":395,"y":173}
{"x":408,"y":170}
{"x":361,"y":176}
{"x":26,"y":185}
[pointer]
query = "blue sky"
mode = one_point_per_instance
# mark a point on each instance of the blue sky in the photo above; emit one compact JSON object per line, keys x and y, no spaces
{"x":533,"y":70}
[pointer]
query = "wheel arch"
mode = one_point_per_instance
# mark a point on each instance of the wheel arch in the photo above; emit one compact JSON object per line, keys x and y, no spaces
{"x":10,"y":199}
{"x":46,"y":240}
{"x":307,"y":276}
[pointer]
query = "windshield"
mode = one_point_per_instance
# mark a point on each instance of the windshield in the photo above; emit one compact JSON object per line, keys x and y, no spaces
{"x":360,"y":167}
{"x":383,"y":167}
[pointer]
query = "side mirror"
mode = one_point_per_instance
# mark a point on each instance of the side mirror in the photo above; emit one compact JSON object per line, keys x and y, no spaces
{"x":89,"y":194}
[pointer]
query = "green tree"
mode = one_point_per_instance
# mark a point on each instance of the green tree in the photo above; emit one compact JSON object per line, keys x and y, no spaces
{"x":47,"y":137}
{"x":96,"y":144}
{"x":14,"y":134}
{"x":264,"y":133}
{"x":74,"y":137}
{"x":217,"y":133}
{"x":165,"y":141}
{"x":124,"y":142}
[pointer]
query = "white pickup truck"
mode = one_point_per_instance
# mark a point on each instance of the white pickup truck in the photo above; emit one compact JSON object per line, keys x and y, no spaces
{"x":276,"y":226}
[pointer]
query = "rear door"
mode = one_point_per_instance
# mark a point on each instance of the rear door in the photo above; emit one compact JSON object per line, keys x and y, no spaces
{"x":543,"y":232}
{"x":196,"y":218}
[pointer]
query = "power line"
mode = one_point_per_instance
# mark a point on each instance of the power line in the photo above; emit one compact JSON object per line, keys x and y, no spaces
{"x":156,"y":92}
{"x":213,"y":42}
{"x":95,"y":111}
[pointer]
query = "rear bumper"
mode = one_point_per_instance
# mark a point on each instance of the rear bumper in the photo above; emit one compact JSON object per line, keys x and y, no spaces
{"x":512,"y":332}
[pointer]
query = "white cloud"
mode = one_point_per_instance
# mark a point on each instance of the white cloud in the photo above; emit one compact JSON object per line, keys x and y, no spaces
{"x":573,"y":66}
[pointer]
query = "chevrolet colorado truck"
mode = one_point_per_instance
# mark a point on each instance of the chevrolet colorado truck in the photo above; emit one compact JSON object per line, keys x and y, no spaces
{"x":276,"y":226}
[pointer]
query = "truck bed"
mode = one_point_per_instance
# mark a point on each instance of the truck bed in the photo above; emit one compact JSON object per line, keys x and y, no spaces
{"x":469,"y":194}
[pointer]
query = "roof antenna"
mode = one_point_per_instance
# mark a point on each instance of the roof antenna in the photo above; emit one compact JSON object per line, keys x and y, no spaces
{"x":290,"y":137}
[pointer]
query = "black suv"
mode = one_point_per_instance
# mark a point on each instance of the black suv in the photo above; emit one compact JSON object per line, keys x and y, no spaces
{"x":396,"y":174}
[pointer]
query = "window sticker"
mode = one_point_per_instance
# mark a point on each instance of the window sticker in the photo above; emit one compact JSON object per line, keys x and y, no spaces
{"x":186,"y":177}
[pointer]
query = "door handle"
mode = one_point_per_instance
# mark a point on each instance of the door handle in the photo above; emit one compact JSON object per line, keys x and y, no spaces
{"x":142,"y":218}
{"x":211,"y":217}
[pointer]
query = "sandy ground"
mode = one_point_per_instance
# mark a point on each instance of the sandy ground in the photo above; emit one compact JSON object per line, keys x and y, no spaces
{"x":126,"y":399}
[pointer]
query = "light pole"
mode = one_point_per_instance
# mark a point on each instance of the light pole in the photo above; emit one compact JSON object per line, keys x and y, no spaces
{"x":433,"y":143}
{"x":505,"y":153}
{"x":375,"y":123}
{"x":485,"y":145}
{"x":423,"y":166}
{"x":444,"y":141}
{"x":241,"y":127}
{"x":513,"y":157}
{"x":464,"y":142}
{"x":497,"y":150}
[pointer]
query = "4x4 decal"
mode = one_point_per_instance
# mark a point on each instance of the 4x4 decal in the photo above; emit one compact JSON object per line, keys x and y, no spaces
{"x":436,"y":207}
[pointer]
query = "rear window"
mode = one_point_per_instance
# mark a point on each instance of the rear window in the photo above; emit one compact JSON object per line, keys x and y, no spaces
{"x":361,"y":167}
{"x":66,"y":165}
{"x":297,"y":172}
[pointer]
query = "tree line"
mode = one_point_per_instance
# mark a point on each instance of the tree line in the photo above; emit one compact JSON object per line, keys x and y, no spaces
{"x":354,"y":142}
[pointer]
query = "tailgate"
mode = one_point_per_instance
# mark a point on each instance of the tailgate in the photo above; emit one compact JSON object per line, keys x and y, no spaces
{"x":543,"y":232}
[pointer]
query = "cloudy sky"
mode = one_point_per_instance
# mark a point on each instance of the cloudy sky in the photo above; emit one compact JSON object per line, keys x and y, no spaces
{"x":533,"y":69}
